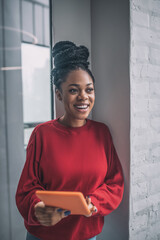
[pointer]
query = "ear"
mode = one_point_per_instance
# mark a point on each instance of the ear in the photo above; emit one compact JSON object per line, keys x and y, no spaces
{"x":59,"y":95}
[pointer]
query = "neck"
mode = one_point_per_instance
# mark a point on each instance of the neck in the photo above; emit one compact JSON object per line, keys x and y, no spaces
{"x":72,"y":122}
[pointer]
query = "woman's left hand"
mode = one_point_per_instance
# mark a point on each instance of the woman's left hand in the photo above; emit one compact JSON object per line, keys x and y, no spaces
{"x":91,"y":207}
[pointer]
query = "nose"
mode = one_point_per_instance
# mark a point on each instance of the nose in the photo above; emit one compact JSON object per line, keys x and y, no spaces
{"x":82,"y":95}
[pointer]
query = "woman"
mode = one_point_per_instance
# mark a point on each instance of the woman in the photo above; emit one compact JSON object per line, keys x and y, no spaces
{"x":70,"y":153}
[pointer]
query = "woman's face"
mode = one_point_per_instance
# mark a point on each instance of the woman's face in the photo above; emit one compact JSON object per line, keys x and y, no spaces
{"x":77,"y":95}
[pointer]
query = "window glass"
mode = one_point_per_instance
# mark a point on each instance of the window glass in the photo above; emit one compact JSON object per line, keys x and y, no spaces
{"x":36,"y":85}
{"x":46,"y":28}
{"x":27,"y":21}
{"x":45,"y":2}
{"x":39,"y":23}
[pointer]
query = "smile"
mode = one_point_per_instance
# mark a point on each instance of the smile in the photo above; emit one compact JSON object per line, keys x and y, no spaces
{"x":81,"y":108}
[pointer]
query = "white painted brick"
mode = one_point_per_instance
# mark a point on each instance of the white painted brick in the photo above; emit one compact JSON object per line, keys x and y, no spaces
{"x":139,"y":158}
{"x":143,"y":70}
{"x":139,"y":236}
{"x":151,"y":236}
{"x":138,"y":146}
{"x":154,"y":199}
{"x":139,"y":191}
{"x":155,"y":21}
{"x":154,"y":105}
{"x":154,"y":216}
{"x":145,"y":172}
{"x":151,"y":170}
{"x":155,"y":89}
{"x":140,"y":121}
{"x":138,"y":115}
{"x":140,"y":205}
{"x":139,"y":33}
{"x":145,"y":35}
{"x":154,"y":230}
{"x":155,"y":123}
{"x":155,"y":55}
{"x":140,"y":139}
{"x":154,"y":137}
{"x":137,"y":176}
{"x":155,"y":6}
{"x":146,"y":5}
{"x":151,"y":71}
{"x":136,"y":70}
{"x":140,"y":18}
{"x":154,"y":185}
{"x":148,"y":71}
{"x":157,"y":207}
{"x":155,"y":153}
{"x":145,"y":120}
{"x":140,"y":105}
{"x":154,"y":37}
{"x":141,"y":90}
{"x":139,"y":223}
{"x":140,"y":53}
{"x":140,"y":4}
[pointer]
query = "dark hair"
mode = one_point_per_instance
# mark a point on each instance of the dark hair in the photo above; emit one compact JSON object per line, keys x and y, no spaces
{"x":67,"y":58}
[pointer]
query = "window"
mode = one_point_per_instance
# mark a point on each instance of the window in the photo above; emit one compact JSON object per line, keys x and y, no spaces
{"x":35,"y":57}
{"x":36,"y":86}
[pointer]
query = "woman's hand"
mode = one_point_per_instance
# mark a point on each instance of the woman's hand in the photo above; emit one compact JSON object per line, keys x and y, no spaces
{"x":91,"y":207}
{"x":49,"y":216}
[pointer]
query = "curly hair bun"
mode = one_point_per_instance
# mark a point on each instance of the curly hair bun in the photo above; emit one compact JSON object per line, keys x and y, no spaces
{"x":66,"y":54}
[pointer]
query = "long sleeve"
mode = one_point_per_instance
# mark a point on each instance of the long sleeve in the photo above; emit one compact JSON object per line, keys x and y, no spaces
{"x":108,"y":196}
{"x":29,"y":182}
{"x":70,"y":159}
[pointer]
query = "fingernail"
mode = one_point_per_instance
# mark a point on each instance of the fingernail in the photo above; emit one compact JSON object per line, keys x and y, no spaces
{"x":59,"y":210}
{"x":66,"y":213}
{"x":96,"y":210}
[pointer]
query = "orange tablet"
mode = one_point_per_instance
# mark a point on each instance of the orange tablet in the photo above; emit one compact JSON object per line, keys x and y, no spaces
{"x":73,"y":201}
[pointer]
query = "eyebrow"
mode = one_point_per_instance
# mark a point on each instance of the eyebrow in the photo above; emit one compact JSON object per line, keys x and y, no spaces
{"x":77,"y":85}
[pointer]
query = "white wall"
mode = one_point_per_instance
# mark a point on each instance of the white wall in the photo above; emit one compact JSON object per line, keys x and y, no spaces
{"x":145,"y":120}
{"x":71,"y":21}
{"x":110,"y":65}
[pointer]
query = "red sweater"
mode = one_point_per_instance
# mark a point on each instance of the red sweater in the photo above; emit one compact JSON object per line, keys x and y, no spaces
{"x":70,"y":159}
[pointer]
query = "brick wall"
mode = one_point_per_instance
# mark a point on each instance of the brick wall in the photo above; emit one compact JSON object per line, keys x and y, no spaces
{"x":145,"y":120}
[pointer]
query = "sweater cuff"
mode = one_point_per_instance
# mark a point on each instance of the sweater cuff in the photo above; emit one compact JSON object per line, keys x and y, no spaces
{"x":32,"y":218}
{"x":94,"y":201}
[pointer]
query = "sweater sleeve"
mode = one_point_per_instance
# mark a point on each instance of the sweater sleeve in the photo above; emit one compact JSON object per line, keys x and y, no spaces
{"x":29,"y":182}
{"x":108,"y":196}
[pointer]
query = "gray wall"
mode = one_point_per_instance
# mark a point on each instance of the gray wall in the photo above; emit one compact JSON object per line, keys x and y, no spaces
{"x":110,"y":65}
{"x":71,"y":21}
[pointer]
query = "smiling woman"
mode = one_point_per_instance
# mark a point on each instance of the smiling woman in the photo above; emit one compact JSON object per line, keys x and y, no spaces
{"x":71,"y":64}
{"x":77,"y":95}
{"x":70,"y":153}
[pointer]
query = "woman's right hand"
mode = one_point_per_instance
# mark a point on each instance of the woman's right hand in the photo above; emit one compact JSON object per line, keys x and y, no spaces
{"x":49,"y":216}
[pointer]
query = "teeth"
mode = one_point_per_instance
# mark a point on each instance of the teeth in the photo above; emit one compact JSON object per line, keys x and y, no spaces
{"x":82,"y":106}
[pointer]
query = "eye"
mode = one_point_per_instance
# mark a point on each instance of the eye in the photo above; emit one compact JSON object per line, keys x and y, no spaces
{"x":90,"y":90}
{"x":73,"y":90}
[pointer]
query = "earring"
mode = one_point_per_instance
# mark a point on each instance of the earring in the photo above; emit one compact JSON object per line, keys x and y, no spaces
{"x":60,"y":97}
